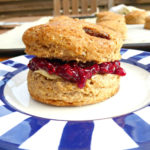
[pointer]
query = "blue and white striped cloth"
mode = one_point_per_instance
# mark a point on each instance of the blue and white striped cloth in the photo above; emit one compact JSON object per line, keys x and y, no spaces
{"x":23,"y":131}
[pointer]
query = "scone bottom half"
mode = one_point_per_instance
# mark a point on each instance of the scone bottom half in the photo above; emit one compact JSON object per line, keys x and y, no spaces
{"x":69,"y":81}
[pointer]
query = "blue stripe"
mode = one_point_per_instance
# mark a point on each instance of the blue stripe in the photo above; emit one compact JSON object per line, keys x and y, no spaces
{"x":3,"y":72}
{"x":77,"y":136}
{"x":17,"y":135}
{"x":139,"y":56}
{"x":29,"y":56}
{"x":13,"y":64}
{"x":122,"y":51}
{"x":8,"y":146}
{"x":5,"y":110}
{"x":136,"y":128}
{"x":133,"y":62}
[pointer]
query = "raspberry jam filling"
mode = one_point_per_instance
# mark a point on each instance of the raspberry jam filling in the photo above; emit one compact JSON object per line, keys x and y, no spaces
{"x":73,"y":71}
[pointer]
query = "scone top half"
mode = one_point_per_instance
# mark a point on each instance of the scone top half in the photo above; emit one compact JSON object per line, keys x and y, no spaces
{"x":72,"y":39}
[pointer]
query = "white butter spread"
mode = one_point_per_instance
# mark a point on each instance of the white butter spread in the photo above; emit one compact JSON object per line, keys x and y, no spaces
{"x":47,"y":75}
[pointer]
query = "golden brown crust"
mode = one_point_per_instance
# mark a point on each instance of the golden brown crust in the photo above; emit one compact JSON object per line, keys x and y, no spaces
{"x":113,"y":21}
{"x":147,"y":23}
{"x":65,"y":38}
{"x":109,"y":16}
{"x":118,"y":27}
{"x":63,"y":93}
{"x":136,"y":17}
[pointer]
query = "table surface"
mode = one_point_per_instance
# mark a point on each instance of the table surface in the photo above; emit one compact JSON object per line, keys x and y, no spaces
{"x":4,"y":29}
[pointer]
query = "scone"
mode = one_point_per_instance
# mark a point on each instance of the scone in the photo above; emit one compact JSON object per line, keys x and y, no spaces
{"x":147,"y":23}
{"x":136,"y":17}
{"x":76,"y":63}
{"x":109,"y":16}
{"x":119,"y":27}
{"x":113,"y":21}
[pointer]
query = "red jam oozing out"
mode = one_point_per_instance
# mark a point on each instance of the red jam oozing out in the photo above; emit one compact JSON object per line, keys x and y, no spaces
{"x":73,"y":71}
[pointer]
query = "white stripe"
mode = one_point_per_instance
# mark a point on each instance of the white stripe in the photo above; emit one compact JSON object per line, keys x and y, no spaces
{"x":1,"y":77}
{"x":20,"y":59}
{"x":11,"y":120}
{"x":145,"y":60}
{"x":144,"y":114}
{"x":1,"y":103}
{"x":6,"y":68}
{"x":130,"y":53}
{"x":108,"y":135}
{"x":48,"y":137}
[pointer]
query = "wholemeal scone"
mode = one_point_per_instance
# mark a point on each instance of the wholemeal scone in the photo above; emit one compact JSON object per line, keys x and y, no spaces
{"x":113,"y":21}
{"x":76,"y":63}
{"x":109,"y":16}
{"x":119,"y":27}
{"x":147,"y":22}
{"x":136,"y":17}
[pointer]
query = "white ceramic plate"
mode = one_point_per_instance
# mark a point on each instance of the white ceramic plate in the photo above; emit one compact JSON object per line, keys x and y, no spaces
{"x":27,"y":124}
{"x":137,"y":34}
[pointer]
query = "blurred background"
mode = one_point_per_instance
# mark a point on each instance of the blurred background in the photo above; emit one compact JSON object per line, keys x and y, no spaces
{"x":22,"y":8}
